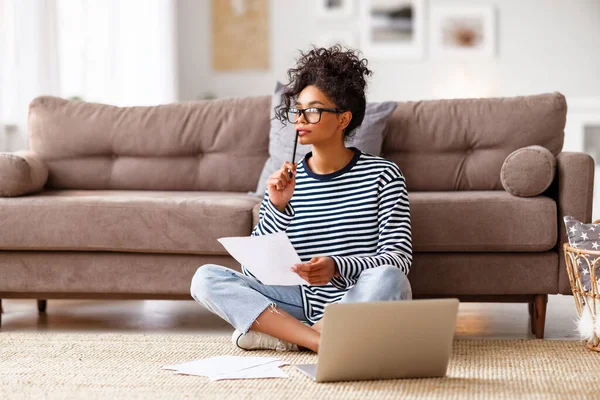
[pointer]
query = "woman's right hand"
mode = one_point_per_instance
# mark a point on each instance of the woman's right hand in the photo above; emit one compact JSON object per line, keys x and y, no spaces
{"x":281,"y":186}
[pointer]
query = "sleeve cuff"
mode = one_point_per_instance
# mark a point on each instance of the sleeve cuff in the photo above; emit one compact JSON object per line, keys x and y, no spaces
{"x":341,"y":281}
{"x":287,"y":214}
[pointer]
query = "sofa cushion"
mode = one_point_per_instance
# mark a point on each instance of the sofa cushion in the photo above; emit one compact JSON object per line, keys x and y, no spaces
{"x":190,"y":222}
{"x":482,"y":221}
{"x":256,"y":214}
{"x":166,"y":147}
{"x":460,"y":144}
{"x":528,"y":171}
{"x":134,"y":221}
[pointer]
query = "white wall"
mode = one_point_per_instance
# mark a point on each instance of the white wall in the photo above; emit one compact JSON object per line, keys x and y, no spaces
{"x":542,"y":46}
{"x":116,"y":52}
{"x":28,"y":63}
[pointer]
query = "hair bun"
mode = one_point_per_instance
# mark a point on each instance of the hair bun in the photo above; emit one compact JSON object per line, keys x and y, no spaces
{"x":339,"y":73}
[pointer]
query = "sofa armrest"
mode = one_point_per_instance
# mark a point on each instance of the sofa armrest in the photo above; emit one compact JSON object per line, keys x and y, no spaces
{"x":575,"y":173}
{"x":21,"y":172}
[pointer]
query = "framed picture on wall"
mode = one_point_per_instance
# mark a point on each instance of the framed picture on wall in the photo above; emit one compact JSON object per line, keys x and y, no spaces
{"x":334,"y":8}
{"x":240,"y":35}
{"x":392,"y":28}
{"x":462,"y":31}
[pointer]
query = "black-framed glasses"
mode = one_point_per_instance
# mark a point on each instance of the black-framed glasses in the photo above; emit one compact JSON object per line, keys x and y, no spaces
{"x":312,"y":115}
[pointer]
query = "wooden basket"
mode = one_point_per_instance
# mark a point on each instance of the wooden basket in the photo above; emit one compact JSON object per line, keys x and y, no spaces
{"x":584,"y":298}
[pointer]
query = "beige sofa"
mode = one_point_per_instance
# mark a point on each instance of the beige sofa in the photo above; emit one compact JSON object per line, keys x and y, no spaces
{"x":128,"y":202}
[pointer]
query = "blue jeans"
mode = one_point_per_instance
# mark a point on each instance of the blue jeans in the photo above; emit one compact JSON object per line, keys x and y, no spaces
{"x":240,"y":299}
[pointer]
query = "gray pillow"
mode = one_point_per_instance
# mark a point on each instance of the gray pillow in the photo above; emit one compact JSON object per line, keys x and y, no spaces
{"x":368,"y":137}
{"x":584,"y":237}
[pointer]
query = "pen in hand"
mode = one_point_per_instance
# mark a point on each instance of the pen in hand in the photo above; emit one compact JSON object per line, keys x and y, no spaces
{"x":294,"y":153}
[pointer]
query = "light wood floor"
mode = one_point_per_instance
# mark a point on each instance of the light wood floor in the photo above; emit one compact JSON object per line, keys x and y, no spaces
{"x":475,"y":320}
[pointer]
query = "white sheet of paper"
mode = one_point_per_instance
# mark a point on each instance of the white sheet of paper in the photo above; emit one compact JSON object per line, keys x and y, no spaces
{"x":268,"y":257}
{"x":269,"y":370}
{"x":219,"y":365}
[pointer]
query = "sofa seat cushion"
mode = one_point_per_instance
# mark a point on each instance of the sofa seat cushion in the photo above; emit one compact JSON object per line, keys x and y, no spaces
{"x":190,"y":222}
{"x":133,"y":221}
{"x":482,"y":221}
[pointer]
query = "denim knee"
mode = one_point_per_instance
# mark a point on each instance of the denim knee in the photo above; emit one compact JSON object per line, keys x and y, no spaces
{"x":203,"y":281}
{"x":391,"y":280}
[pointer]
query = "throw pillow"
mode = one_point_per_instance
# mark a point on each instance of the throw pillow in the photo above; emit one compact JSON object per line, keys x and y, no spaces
{"x":21,"y":172}
{"x":528,"y":171}
{"x":584,"y":237}
{"x":368,"y":137}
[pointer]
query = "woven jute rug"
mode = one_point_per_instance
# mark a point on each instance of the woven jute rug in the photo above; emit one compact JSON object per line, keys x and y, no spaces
{"x":124,"y":366}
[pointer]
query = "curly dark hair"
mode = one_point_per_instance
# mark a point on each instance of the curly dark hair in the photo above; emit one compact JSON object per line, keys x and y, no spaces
{"x":337,"y":72}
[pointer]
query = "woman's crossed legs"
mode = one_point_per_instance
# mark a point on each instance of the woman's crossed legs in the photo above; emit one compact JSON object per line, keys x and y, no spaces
{"x":278,"y":310}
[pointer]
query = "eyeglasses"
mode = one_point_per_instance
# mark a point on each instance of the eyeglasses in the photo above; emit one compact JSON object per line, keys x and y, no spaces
{"x":311,"y":115}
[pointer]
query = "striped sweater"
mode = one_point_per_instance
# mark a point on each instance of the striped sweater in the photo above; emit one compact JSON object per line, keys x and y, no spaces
{"x":359,"y":216}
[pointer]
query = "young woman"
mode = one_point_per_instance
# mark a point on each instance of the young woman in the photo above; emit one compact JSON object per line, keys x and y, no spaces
{"x":346,"y":213}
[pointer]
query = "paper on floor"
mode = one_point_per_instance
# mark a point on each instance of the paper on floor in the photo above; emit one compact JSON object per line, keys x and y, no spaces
{"x":269,"y":370}
{"x":232,"y":367}
{"x":268,"y":257}
{"x":219,"y":365}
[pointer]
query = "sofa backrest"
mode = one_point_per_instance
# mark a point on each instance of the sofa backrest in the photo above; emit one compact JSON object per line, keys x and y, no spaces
{"x":218,"y":145}
{"x":460,"y":144}
{"x":222,"y":145}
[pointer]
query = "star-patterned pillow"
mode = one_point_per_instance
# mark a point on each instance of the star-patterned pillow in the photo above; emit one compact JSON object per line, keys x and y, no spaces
{"x":585,"y":237}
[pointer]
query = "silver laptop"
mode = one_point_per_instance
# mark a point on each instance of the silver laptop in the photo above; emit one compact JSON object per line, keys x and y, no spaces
{"x":385,"y":340}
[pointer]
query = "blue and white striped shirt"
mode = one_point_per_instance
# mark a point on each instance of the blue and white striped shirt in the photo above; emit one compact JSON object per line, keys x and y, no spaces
{"x":359,"y":216}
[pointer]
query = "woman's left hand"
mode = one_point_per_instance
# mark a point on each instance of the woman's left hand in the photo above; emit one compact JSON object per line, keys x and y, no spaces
{"x":318,"y":271}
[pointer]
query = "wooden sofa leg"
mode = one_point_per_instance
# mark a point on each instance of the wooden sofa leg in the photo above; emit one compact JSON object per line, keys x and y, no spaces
{"x":538,"y":320}
{"x":42,"y":305}
{"x":531,"y":307}
{"x":1,"y":309}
